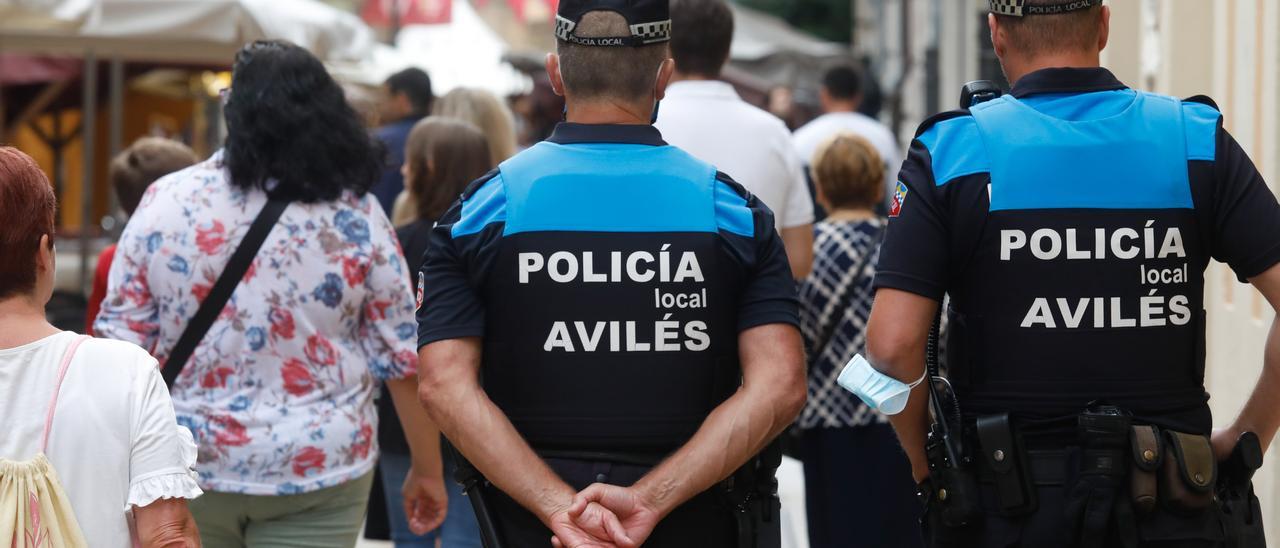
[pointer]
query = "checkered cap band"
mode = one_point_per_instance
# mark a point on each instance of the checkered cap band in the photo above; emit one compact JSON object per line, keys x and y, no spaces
{"x":649,"y":33}
{"x":1012,"y":8}
{"x":564,"y":27}
{"x":1018,"y":8}
{"x":641,"y":34}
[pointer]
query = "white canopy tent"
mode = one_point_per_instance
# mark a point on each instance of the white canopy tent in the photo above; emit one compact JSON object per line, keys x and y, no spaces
{"x":195,"y":31}
{"x":465,"y":52}
{"x":43,"y":14}
{"x":199,"y":32}
{"x":773,"y":51}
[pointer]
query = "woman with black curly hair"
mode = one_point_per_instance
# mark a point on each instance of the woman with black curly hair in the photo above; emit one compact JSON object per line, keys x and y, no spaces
{"x":279,"y":392}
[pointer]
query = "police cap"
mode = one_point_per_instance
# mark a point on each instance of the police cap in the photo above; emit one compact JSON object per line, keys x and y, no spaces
{"x":650,"y":21}
{"x":1019,"y":8}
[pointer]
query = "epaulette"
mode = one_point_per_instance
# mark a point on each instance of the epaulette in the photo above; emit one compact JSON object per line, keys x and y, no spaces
{"x":1204,"y":100}
{"x":939,"y":117}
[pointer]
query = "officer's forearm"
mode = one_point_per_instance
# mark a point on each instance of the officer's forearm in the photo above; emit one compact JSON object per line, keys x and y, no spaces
{"x":897,"y":333}
{"x":1260,"y":414}
{"x":419,"y":431}
{"x":450,"y":391}
{"x":912,"y":426}
{"x":772,"y":394}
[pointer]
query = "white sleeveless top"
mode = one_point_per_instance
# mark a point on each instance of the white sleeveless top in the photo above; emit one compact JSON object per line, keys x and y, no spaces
{"x":112,"y":436}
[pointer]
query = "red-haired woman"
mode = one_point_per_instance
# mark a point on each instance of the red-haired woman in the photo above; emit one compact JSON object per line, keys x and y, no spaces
{"x":96,"y":411}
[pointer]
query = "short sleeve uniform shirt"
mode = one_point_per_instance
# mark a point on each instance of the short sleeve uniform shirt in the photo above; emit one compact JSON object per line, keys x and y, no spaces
{"x":609,"y":275}
{"x":1071,"y":223}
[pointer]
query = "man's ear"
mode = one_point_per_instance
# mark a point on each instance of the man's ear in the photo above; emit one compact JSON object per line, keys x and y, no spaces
{"x":664,"y":79}
{"x":997,"y":38}
{"x":553,"y":73}
{"x":1105,"y":32}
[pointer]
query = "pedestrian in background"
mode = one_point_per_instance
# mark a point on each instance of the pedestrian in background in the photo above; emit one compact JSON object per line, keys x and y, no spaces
{"x":280,"y":391}
{"x":90,"y":441}
{"x":405,"y":98}
{"x":705,"y":117}
{"x":443,"y":155}
{"x":841,"y":97}
{"x":486,"y":111}
{"x":131,"y":173}
{"x":841,"y":438}
{"x":481,"y":109}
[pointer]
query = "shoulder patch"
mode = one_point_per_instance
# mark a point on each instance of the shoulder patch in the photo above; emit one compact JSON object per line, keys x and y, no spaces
{"x":899,"y":197}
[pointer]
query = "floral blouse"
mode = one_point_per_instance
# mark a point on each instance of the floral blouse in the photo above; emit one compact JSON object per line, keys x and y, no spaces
{"x":279,"y":393}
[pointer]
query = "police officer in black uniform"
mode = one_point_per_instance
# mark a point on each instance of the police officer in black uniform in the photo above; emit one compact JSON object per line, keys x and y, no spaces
{"x":1070,"y":222}
{"x":604,"y":308}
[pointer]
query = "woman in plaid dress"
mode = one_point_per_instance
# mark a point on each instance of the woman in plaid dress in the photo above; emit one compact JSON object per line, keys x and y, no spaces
{"x":858,"y":486}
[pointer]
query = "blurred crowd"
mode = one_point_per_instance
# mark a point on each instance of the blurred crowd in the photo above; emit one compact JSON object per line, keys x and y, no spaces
{"x":301,"y":396}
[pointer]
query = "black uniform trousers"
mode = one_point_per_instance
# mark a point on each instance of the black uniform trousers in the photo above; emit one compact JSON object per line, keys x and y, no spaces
{"x":1051,"y":526}
{"x":706,"y":521}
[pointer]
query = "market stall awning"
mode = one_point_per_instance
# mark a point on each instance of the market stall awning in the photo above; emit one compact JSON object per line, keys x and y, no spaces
{"x":44,"y":14}
{"x":194,"y":31}
{"x":772,"y":51}
{"x":465,"y":52}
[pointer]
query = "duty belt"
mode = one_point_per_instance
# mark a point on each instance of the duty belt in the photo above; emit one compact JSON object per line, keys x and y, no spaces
{"x":1115,"y":472}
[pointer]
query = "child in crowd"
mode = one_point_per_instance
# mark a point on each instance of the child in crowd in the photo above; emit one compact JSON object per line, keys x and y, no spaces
{"x":131,"y":172}
{"x":841,"y":438}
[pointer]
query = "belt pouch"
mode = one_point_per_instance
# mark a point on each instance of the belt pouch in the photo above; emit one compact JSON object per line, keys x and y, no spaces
{"x":1189,"y":473}
{"x":1147,"y":455}
{"x":1006,"y":457}
{"x":1104,"y":436}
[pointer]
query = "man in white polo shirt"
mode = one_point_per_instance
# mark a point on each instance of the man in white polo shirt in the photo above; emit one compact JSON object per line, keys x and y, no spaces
{"x":841,"y":95}
{"x":705,"y":117}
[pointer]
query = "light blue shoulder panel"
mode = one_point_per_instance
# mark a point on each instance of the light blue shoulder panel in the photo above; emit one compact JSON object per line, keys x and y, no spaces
{"x":485,"y":206}
{"x":608,"y":188}
{"x":955,"y":149}
{"x":1202,"y":130}
{"x":1136,"y":159}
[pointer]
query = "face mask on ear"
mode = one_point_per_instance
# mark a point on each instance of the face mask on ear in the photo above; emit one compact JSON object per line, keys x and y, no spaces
{"x":654,"y":118}
{"x":879,"y":391}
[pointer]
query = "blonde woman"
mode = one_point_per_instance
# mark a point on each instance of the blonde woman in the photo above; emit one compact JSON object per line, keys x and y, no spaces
{"x":840,"y":435}
{"x":481,"y":109}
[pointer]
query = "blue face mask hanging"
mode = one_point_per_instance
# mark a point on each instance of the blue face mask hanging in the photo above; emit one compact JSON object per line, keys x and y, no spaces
{"x":879,"y":391}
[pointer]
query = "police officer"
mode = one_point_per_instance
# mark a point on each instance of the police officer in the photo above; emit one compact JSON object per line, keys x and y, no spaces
{"x":604,"y":308}
{"x":1071,"y":222}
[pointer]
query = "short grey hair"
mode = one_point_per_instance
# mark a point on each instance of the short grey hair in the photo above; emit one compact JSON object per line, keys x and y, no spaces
{"x":1045,"y":33}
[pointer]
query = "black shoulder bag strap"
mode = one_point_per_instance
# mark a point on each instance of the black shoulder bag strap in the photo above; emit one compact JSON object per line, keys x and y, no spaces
{"x":222,"y":289}
{"x":845,"y":297}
